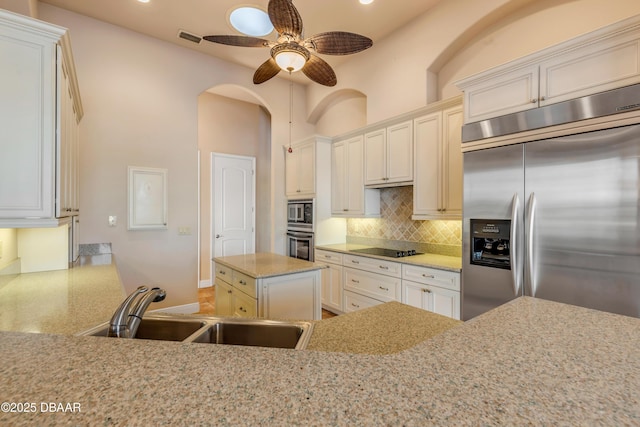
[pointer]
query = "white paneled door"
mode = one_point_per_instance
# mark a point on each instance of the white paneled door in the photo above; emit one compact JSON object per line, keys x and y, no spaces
{"x":233,"y":205}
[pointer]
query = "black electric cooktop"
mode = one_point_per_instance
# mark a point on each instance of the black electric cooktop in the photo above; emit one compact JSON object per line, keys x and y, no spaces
{"x":391,"y":253}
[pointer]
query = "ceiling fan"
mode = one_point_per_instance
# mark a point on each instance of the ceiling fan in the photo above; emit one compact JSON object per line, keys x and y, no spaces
{"x":291,"y":52}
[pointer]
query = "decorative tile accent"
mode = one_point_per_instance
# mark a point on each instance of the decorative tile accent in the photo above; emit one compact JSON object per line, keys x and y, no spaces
{"x":395,"y":224}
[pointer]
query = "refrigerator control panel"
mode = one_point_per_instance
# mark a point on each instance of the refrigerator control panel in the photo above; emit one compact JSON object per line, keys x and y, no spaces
{"x":490,"y":242}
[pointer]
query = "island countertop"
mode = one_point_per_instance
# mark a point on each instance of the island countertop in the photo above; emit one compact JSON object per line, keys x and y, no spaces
{"x":265,"y":264}
{"x":528,"y":362}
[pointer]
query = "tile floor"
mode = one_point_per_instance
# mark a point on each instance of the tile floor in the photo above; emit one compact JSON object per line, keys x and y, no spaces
{"x":207,"y":301}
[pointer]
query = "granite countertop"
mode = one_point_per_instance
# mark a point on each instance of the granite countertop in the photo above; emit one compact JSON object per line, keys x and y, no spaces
{"x":61,"y":301}
{"x":528,"y":362}
{"x":265,"y":264}
{"x":442,"y":262}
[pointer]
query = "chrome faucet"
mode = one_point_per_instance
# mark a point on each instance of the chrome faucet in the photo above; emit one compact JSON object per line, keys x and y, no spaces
{"x":125,"y":321}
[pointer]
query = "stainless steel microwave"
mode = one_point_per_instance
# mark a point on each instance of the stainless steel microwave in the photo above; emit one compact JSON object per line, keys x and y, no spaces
{"x":300,"y":215}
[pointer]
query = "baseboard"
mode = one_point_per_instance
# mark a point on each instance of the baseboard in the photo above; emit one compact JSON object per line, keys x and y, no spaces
{"x":204,"y":284}
{"x":179,"y":309}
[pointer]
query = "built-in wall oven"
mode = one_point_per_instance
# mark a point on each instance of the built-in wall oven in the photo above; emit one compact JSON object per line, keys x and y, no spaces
{"x":300,"y":229}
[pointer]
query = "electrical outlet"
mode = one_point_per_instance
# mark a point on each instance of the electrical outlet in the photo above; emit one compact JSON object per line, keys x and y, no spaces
{"x":184,"y":231}
{"x":113,"y":220}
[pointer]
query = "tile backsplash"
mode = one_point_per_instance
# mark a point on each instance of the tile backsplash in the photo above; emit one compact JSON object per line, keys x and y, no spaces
{"x":395,"y":224}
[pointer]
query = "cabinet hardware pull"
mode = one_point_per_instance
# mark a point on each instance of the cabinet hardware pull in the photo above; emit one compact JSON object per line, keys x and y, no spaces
{"x":242,"y":282}
{"x":533,"y":101}
{"x":242,"y":309}
{"x":542,"y":98}
{"x":428,"y":276}
{"x":222,"y":272}
{"x":355,"y":305}
{"x":355,"y":281}
{"x":327,"y":256}
{"x":229,"y":291}
{"x":384,"y":267}
{"x":345,"y":210}
{"x":355,"y":261}
{"x":426,"y":291}
{"x":384,"y":289}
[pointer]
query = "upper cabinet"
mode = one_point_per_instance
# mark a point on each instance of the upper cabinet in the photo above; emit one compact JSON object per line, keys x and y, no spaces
{"x":602,"y":60}
{"x":300,"y":170}
{"x":437,"y":189}
{"x":349,"y":198}
{"x":40,"y":111}
{"x":388,"y":156}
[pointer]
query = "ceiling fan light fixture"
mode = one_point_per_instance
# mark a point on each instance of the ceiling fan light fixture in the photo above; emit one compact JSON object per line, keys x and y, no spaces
{"x":251,"y":21}
{"x":290,"y":57}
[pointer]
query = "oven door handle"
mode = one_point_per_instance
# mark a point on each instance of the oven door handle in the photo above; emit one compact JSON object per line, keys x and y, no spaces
{"x":299,"y":235}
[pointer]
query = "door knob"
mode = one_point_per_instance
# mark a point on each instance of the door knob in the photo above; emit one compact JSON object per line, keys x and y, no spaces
{"x":219,"y":236}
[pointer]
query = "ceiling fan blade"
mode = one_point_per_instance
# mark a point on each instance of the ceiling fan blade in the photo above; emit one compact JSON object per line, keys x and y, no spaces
{"x":338,"y":43}
{"x":242,"y":41}
{"x":319,"y":71}
{"x":285,"y":18}
{"x":267,"y":70}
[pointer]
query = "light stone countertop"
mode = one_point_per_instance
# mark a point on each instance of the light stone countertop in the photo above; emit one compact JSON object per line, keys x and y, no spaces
{"x":528,"y":362}
{"x":442,"y":262}
{"x":61,"y":301}
{"x":264,"y":264}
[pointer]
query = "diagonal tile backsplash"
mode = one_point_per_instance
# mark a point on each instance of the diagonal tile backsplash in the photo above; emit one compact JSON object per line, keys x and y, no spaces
{"x":395,"y":224}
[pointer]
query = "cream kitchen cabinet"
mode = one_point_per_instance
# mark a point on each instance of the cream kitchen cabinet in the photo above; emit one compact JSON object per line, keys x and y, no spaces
{"x":332,"y":292}
{"x":370,"y":281}
{"x":388,"y":156}
{"x":349,"y":198}
{"x":437,"y":188}
{"x":40,"y":111}
{"x":602,"y":60}
{"x":431,"y":289}
{"x":277,"y":295}
{"x":300,"y":170}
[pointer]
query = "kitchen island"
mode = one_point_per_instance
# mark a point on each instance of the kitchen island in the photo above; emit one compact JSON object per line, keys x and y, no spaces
{"x":530,"y":361}
{"x":268,"y":285}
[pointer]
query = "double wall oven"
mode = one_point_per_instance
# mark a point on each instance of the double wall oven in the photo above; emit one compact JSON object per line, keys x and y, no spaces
{"x":300,"y":229}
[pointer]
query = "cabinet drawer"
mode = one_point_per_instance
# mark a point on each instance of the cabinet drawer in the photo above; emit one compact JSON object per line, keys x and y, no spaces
{"x":328,"y":256}
{"x":244,"y":305}
{"x":431,"y":276}
{"x":355,"y":302}
{"x":377,"y":286}
{"x":373,"y":265}
{"x":246,"y":284}
{"x":224,"y":273}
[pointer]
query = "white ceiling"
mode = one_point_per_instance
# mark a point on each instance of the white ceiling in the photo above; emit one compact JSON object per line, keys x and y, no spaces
{"x":163,"y":19}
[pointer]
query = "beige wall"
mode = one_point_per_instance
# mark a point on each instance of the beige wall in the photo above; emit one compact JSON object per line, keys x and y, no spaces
{"x":140,"y":97}
{"x":9,"y":247}
{"x":230,"y":126}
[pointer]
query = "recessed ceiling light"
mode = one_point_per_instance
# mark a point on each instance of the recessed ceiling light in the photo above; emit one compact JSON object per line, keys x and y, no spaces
{"x":366,"y":1}
{"x":251,"y":21}
{"x":143,"y":1}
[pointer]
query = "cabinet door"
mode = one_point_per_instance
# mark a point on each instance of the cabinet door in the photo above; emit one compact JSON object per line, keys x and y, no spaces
{"x":399,"y":153}
{"x":306,"y":169}
{"x":332,"y":287}
{"x":355,"y":176}
{"x":427,"y":133}
{"x":291,"y":173}
{"x":451,"y":179}
{"x":511,"y":92}
{"x":415,"y":294}
{"x":375,"y":157}
{"x":294,"y":296}
{"x":432,"y":298}
{"x":28,"y":125}
{"x":338,"y":178}
{"x":224,"y":298}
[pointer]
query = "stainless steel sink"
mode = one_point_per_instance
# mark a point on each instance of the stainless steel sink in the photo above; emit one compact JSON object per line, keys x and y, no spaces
{"x":164,"y":329}
{"x":262,"y":333}
{"x":219,"y":330}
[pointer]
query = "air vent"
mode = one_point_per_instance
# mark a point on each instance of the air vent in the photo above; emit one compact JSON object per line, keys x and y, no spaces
{"x":190,"y":37}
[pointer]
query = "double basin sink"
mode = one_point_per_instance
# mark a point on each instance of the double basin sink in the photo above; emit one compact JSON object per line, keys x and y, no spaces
{"x":219,"y":330}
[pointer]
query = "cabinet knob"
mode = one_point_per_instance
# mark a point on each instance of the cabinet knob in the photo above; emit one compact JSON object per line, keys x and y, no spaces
{"x":542,"y":98}
{"x":534,"y":101}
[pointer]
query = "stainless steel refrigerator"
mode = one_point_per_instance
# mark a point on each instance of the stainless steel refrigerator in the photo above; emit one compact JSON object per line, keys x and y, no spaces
{"x":557,"y":219}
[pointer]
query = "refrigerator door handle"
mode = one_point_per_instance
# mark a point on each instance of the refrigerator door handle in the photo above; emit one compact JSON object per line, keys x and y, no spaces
{"x":515,"y":209}
{"x":530,"y":244}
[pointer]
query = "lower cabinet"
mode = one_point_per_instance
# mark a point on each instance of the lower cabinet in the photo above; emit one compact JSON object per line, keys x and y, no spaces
{"x":364,"y":282}
{"x":289,"y":296}
{"x":431,"y":289}
{"x":332,"y":292}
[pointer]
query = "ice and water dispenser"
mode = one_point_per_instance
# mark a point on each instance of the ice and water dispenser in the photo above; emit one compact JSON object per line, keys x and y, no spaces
{"x":490,"y":242}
